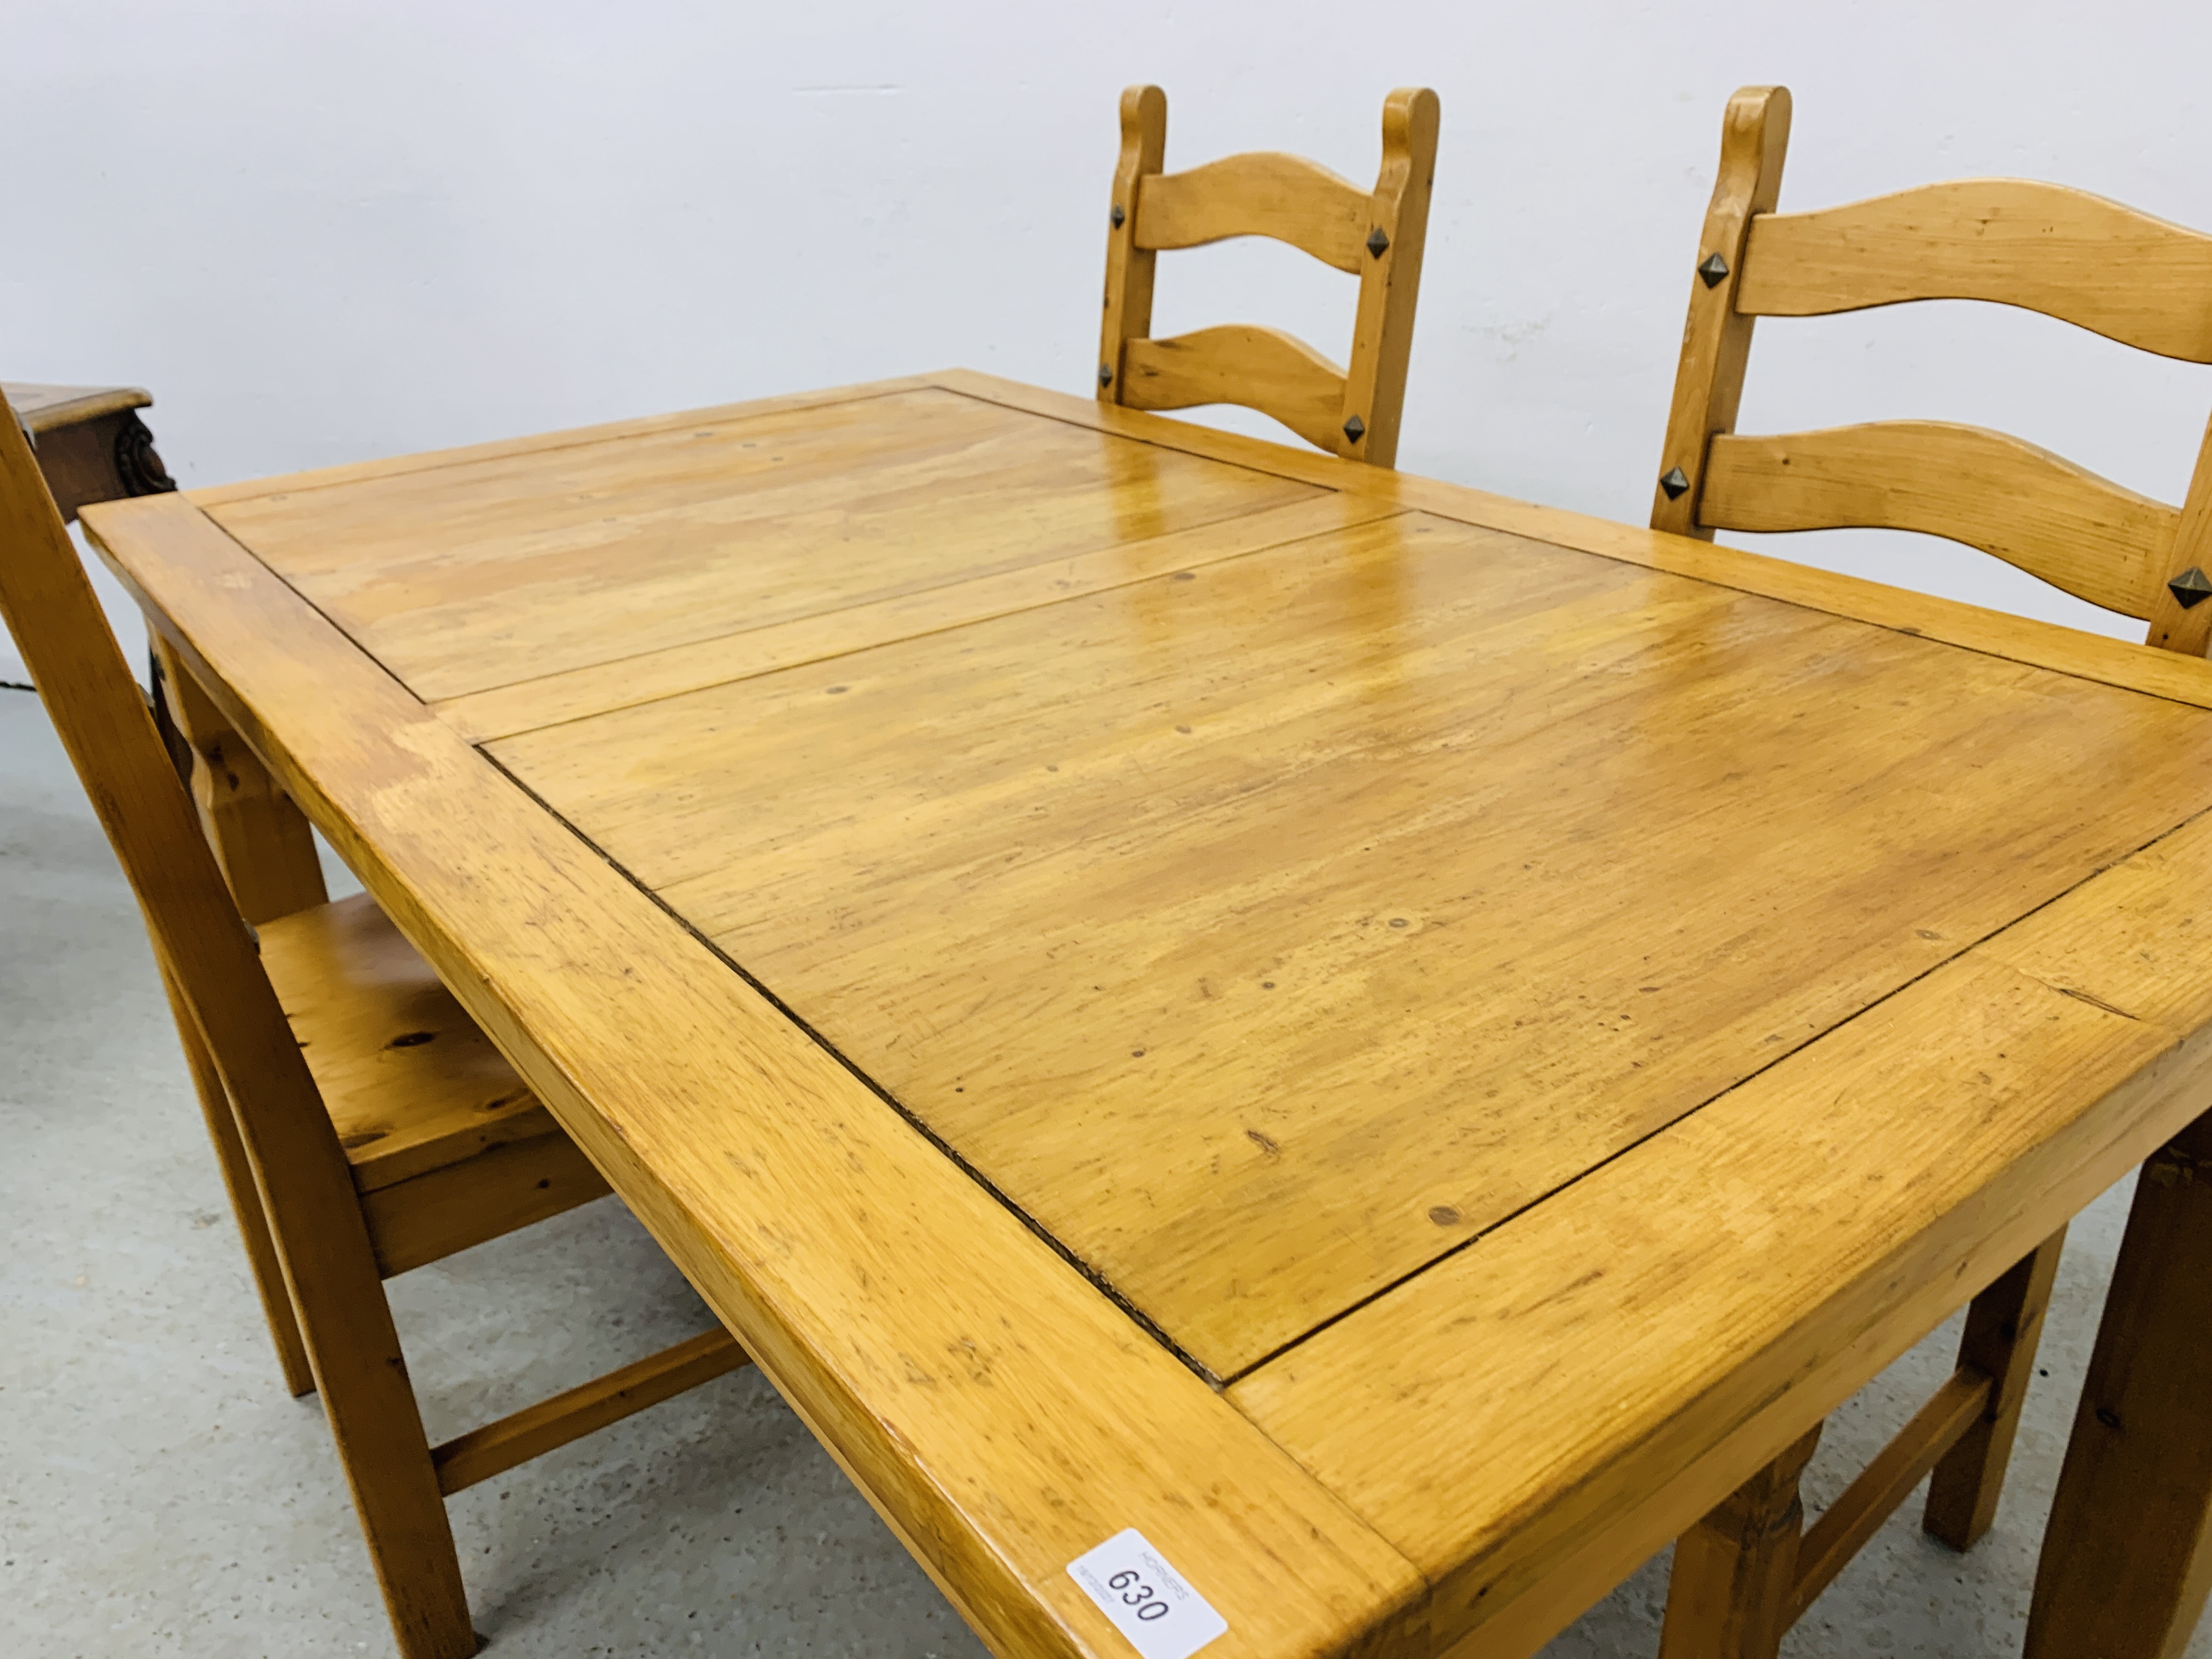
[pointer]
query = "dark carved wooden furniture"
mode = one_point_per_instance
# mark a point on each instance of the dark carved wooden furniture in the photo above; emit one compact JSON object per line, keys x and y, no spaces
{"x":91,"y":444}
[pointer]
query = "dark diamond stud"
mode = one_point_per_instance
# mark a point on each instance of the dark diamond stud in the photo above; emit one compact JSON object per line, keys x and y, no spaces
{"x":1712,"y":270}
{"x":2191,"y":587}
{"x":1674,"y":481}
{"x":1355,"y":428}
{"x":1377,"y":243}
{"x":1117,"y":215}
{"x":1105,"y":374}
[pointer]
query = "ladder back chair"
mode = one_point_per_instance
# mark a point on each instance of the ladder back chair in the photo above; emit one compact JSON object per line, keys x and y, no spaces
{"x":1376,"y":235}
{"x":2043,"y":247}
{"x":1751,"y":1568}
{"x":363,"y":1123}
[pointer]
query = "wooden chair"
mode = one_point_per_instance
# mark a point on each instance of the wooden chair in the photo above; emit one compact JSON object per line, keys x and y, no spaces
{"x":1750,"y":1568}
{"x":92,"y":445}
{"x":363,"y":1123}
{"x":1375,"y":235}
{"x":2044,"y":247}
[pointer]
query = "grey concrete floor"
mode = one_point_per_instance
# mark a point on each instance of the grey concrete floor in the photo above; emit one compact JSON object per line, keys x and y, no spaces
{"x":160,"y":1494}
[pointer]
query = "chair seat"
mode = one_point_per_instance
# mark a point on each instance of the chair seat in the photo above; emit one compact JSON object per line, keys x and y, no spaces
{"x":447,"y":1143}
{"x":410,"y":1079}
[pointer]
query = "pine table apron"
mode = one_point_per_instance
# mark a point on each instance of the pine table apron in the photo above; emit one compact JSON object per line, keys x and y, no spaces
{"x":1395,"y":1043}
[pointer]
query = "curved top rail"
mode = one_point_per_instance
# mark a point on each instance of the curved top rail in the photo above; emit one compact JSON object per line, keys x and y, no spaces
{"x":1263,"y":193}
{"x":2064,"y":253}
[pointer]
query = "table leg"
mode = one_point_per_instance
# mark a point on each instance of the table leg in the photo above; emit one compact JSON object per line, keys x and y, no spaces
{"x":2127,"y":1558}
{"x":2001,"y":1329}
{"x":1729,"y":1597}
{"x":244,"y":1200}
{"x":260,"y":838}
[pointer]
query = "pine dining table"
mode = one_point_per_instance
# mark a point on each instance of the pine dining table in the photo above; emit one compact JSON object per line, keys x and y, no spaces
{"x":1277,"y":1057}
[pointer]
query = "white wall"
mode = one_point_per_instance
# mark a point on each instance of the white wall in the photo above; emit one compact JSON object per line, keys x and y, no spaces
{"x":328,"y":229}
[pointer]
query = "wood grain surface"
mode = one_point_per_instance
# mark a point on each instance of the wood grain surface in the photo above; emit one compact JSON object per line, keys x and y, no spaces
{"x":478,"y":574}
{"x":1239,"y":363}
{"x":1377,"y":236}
{"x":1269,"y":916}
{"x":1717,"y":337}
{"x":2163,"y":673}
{"x":1003,"y":1422}
{"x":529,"y":704}
{"x":1267,"y":930}
{"x":2094,"y":539}
{"x":410,"y":1083}
{"x":1260,"y":193}
{"x":2044,"y":247}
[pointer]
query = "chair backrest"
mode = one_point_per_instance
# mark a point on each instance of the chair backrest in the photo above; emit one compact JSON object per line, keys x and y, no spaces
{"x":104,"y":723}
{"x":2044,"y":247}
{"x":1376,"y":235}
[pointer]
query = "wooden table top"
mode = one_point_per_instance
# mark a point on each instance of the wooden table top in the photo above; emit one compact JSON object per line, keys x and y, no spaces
{"x":1399,"y":1042}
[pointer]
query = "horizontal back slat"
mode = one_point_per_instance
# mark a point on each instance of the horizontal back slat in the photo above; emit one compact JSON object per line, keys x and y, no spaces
{"x":1260,"y":368}
{"x":1261,"y":194}
{"x":2063,"y":252}
{"x":2027,"y":507}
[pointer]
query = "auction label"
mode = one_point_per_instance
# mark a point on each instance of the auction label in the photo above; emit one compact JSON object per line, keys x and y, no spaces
{"x":1147,"y":1600}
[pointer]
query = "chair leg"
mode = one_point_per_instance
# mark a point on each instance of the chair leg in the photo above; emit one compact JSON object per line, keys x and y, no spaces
{"x":378,"y":1427}
{"x":214,"y":1100}
{"x":314,"y":1217}
{"x":1733,"y":1570}
{"x":2002,"y":1327}
{"x":244,"y":1201}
